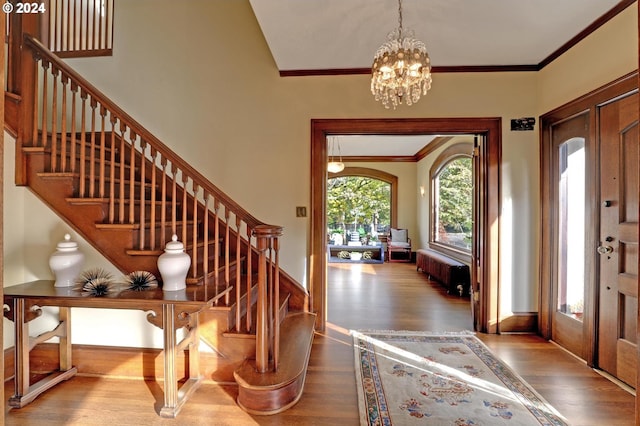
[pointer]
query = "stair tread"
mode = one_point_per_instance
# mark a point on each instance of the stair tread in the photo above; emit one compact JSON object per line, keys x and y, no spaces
{"x":296,"y":336}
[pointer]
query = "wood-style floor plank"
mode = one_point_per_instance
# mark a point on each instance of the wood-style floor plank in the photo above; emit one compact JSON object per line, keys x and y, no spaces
{"x":388,"y":296}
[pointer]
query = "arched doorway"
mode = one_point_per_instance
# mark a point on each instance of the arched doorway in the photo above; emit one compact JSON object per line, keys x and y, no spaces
{"x":485,"y":277}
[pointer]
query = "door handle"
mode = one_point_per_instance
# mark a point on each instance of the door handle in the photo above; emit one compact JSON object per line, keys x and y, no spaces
{"x":605,"y":249}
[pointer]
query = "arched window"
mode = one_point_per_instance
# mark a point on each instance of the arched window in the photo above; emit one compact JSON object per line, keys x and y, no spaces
{"x":452,"y":198}
{"x":361,"y":200}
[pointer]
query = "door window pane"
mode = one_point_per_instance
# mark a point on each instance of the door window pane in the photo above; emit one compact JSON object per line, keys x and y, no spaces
{"x":571,"y":228}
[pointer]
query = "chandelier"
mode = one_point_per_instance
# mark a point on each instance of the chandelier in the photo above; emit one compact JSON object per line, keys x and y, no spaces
{"x":334,"y":166}
{"x":401,"y":70}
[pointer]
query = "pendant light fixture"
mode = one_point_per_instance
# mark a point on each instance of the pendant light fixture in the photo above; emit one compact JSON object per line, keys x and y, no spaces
{"x":335,"y":166}
{"x":401,"y":70}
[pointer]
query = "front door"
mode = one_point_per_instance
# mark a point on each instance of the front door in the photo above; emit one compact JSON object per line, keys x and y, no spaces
{"x":618,"y":248}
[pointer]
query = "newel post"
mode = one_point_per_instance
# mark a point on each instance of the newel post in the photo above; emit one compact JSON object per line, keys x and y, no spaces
{"x":266,"y":239}
{"x":23,"y":83}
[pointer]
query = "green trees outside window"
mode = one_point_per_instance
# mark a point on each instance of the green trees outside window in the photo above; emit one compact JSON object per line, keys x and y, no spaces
{"x":452,"y":208}
{"x":357,"y":204}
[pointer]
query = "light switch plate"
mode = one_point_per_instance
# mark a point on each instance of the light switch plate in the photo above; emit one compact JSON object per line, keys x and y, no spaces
{"x":301,"y":211}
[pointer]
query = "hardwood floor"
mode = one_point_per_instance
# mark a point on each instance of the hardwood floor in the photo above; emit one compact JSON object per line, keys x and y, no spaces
{"x":388,"y":296}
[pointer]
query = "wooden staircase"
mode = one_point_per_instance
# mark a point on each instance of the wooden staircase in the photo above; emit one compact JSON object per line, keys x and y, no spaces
{"x":127,"y":193}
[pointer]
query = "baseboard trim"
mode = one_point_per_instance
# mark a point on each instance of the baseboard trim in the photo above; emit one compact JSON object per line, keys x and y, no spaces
{"x":519,"y":322}
{"x":121,"y":362}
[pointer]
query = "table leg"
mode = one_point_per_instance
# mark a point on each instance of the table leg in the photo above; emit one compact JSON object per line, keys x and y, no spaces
{"x":174,"y":400}
{"x":21,"y":353}
{"x":194,"y":349}
{"x":24,"y":391}
{"x":170,"y":381}
{"x":65,"y":339}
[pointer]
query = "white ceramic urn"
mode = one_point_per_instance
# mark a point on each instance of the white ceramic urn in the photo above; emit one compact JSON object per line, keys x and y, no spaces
{"x":66,"y":262}
{"x":174,"y":265}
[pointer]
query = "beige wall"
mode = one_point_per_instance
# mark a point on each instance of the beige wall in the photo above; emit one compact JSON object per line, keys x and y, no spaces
{"x":201,"y":78}
{"x":602,"y":57}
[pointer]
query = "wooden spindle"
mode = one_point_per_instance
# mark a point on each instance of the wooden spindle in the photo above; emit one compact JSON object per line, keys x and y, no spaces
{"x":95,"y":22}
{"x":74,"y":92}
{"x":163,"y":200}
{"x":34,"y":132}
{"x":109,"y":24}
{"x":100,"y":18}
{"x":45,"y":92}
{"x":56,"y":28}
{"x":123,"y":155}
{"x":216,"y":240}
{"x":69,"y":26}
{"x":185,"y":203}
{"x":205,"y":236}
{"x":249,"y":278}
{"x":92,"y":149}
{"x":174,"y":194}
{"x":143,"y":195}
{"x":238,"y":277}
{"x":132,"y":174}
{"x":103,"y":151}
{"x":54,"y":119}
{"x":87,"y":34}
{"x":194,"y":232}
{"x":154,"y":199}
{"x":226,"y":245}
{"x":63,"y":124}
{"x":83,"y":142}
{"x":112,"y":169}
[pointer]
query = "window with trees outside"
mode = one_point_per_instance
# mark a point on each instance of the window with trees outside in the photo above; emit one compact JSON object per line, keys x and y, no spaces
{"x":359,"y":208}
{"x":452,"y":198}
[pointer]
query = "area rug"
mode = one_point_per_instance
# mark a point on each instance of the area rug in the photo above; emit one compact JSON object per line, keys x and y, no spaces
{"x":411,"y":378}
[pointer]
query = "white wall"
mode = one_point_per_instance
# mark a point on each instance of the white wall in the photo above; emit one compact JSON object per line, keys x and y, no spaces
{"x":201,"y":78}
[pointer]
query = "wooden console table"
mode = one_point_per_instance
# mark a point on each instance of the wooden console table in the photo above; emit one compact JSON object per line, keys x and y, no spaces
{"x":169,"y":311}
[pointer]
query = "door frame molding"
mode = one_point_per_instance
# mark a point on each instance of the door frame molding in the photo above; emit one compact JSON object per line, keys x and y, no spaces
{"x":588,"y":103}
{"x":490,"y":157}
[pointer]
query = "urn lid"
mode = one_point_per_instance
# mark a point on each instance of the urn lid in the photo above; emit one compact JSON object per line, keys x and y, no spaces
{"x":174,"y":246}
{"x":67,"y":244}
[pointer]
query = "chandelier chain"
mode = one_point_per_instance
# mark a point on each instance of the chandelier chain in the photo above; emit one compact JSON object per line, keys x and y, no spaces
{"x":400,"y":20}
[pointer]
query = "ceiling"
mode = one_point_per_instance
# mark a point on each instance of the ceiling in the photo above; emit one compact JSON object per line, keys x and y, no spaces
{"x":309,"y":36}
{"x":377,"y":145}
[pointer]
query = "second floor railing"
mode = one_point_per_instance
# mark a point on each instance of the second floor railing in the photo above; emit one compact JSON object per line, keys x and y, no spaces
{"x":78,"y":27}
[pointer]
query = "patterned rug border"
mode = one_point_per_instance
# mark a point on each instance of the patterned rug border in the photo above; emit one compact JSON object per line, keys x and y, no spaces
{"x":363,"y":334}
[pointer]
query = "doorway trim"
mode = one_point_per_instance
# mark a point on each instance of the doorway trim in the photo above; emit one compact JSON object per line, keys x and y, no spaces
{"x":487,"y":285}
